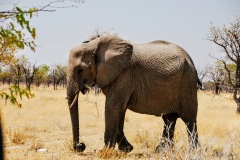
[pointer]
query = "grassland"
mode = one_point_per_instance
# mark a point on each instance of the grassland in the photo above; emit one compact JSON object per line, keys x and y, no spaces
{"x":44,"y":123}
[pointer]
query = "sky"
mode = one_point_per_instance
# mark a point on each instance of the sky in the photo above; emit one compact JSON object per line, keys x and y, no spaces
{"x":183,"y":22}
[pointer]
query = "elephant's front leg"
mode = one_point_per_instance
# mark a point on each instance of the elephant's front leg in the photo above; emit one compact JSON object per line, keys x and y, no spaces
{"x":117,"y":97}
{"x":122,"y":141}
{"x":112,"y":117}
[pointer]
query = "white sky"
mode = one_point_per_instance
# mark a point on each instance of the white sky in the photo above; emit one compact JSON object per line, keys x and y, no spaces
{"x":183,"y":22}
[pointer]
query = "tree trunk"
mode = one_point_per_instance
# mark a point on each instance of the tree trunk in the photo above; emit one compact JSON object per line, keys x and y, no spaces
{"x":237,"y":86}
{"x":238,"y":74}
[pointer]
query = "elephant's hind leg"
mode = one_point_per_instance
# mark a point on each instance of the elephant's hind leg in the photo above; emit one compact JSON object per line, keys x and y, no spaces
{"x":168,"y":131}
{"x":122,"y":141}
{"x":192,"y":134}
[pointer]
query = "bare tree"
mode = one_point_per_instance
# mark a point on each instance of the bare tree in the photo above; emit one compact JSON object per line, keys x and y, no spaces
{"x":202,"y":72}
{"x":215,"y":75}
{"x":227,"y":39}
{"x":29,"y":71}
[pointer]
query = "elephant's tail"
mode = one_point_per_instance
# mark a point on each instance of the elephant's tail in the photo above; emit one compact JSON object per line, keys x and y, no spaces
{"x":199,"y":84}
{"x":190,"y":61}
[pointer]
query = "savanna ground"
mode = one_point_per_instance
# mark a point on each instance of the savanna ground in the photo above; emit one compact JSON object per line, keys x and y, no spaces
{"x":44,"y":123}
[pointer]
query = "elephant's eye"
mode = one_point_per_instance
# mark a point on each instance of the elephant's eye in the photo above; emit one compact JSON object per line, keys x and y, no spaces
{"x":80,"y":71}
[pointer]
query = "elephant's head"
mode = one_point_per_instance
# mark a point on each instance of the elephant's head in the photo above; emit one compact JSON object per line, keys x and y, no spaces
{"x":98,"y":61}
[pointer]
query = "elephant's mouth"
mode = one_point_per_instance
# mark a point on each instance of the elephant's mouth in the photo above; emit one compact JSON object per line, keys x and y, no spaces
{"x":86,"y":86}
{"x":84,"y":90}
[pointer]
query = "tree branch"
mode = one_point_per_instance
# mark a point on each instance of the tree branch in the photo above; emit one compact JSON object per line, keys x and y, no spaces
{"x":226,"y":50}
{"x":227,"y":69}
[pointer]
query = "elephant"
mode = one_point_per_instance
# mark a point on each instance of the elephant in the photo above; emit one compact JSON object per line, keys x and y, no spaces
{"x":156,"y":78}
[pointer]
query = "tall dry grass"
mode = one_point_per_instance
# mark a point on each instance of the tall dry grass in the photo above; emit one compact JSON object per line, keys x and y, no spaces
{"x":44,"y":123}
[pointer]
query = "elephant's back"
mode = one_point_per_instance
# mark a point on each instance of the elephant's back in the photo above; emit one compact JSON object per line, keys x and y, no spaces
{"x":160,"y":56}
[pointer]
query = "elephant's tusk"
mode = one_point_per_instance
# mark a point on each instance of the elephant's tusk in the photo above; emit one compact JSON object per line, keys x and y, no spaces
{"x":75,"y":99}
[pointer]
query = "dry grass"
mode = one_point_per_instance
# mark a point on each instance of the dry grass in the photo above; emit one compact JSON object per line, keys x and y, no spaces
{"x":44,"y":122}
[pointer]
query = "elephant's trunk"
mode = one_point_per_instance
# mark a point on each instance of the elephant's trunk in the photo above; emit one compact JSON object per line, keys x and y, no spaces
{"x":72,"y":92}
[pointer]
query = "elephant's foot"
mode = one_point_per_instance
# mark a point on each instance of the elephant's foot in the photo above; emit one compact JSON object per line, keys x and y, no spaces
{"x":164,"y":144}
{"x":125,"y":146}
{"x":110,"y":140}
{"x":79,"y":147}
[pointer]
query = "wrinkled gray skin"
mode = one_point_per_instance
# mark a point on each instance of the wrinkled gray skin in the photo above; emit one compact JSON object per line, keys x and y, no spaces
{"x":156,"y":78}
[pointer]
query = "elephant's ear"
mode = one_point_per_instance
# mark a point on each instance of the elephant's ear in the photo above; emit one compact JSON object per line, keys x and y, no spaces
{"x":113,"y":55}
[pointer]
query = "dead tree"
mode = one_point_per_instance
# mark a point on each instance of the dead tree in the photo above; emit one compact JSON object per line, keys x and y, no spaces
{"x":29,"y":72}
{"x":202,"y":73}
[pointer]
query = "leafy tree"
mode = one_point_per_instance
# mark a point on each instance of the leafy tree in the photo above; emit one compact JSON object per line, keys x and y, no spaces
{"x":41,"y":75}
{"x":14,"y":92}
{"x":16,"y":33}
{"x":13,"y":35}
{"x":227,"y":39}
{"x":4,"y":75}
{"x":59,"y":74}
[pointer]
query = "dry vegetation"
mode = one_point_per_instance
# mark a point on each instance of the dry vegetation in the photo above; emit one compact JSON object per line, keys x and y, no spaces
{"x":42,"y":130}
